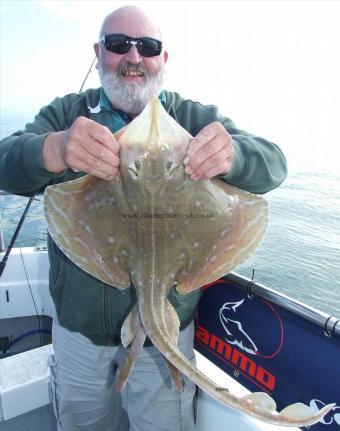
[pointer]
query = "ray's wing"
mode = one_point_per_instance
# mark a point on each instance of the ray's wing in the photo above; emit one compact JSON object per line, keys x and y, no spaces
{"x":84,"y":220}
{"x":236,"y":228}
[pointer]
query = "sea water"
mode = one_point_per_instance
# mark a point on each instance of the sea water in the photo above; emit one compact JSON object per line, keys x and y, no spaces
{"x":300,"y":255}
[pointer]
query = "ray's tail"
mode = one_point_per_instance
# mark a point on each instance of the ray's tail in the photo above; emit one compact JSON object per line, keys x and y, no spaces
{"x":258,"y":405}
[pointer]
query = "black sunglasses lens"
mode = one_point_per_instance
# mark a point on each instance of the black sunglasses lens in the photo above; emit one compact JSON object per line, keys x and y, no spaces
{"x":117,"y":44}
{"x":148,"y":47}
{"x":121,"y":44}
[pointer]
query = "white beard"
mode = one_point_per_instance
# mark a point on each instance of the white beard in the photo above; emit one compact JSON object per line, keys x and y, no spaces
{"x":130,"y":97}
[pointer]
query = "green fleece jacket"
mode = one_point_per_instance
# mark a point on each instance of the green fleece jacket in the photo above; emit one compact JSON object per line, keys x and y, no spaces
{"x":83,"y":303}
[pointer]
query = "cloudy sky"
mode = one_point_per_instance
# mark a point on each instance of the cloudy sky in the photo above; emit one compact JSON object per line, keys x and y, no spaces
{"x":272,"y":66}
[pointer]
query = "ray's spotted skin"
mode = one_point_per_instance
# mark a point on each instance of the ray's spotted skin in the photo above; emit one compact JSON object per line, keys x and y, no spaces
{"x":154,"y":227}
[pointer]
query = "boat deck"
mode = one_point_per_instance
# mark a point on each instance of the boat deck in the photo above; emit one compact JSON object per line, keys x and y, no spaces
{"x":41,"y":419}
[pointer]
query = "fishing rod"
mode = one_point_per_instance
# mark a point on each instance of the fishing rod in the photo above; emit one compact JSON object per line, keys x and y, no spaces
{"x":88,"y":72}
{"x":14,"y":237}
{"x":22,"y":219}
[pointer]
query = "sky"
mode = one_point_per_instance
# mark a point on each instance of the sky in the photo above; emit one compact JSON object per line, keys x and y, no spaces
{"x":271,"y":66}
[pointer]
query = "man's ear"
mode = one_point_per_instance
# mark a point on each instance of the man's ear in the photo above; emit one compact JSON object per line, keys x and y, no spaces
{"x":165,"y":56}
{"x":96,"y":48}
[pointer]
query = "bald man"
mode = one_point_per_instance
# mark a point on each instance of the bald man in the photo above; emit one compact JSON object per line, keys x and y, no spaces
{"x":73,"y":136}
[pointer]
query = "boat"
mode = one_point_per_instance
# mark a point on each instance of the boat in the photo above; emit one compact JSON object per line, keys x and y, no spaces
{"x":249,"y":337}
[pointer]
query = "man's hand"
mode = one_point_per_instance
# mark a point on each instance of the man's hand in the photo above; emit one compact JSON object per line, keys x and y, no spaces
{"x":210,"y":153}
{"x":87,"y":147}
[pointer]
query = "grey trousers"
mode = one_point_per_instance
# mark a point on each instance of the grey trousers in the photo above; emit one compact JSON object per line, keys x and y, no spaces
{"x":83,"y":380}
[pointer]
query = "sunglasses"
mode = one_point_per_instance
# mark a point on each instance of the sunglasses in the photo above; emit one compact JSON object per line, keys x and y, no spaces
{"x":121,"y":44}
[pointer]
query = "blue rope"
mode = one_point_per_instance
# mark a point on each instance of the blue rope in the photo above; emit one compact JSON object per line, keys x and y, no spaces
{"x":26,"y":334}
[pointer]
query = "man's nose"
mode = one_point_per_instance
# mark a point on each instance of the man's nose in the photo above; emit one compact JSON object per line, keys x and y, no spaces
{"x":133,"y":55}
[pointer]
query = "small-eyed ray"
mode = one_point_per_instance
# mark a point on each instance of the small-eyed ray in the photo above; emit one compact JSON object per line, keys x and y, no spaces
{"x":153,"y":227}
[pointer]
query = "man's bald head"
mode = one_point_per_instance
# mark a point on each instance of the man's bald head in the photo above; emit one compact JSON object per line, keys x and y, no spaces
{"x":132,"y":21}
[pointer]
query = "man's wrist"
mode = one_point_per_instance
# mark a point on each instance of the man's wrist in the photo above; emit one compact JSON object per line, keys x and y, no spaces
{"x":52,"y":159}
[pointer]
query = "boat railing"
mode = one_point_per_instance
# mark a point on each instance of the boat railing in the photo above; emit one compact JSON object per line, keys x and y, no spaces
{"x":2,"y":242}
{"x":329,"y":323}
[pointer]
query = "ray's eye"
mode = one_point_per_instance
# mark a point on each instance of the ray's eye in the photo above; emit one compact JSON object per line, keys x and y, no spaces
{"x":134,"y":169}
{"x":170,"y":167}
